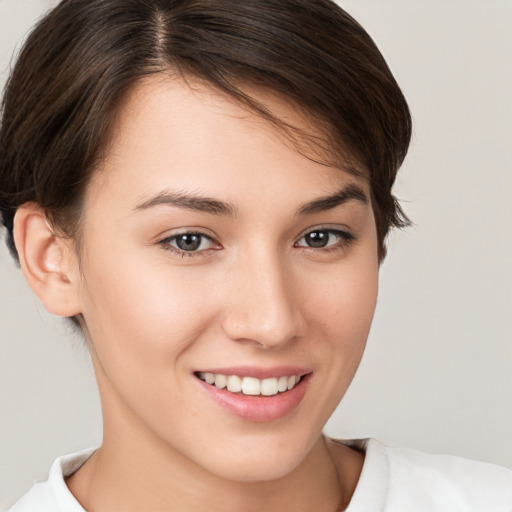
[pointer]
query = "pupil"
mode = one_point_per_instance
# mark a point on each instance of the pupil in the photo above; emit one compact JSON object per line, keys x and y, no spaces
{"x":317,"y":239}
{"x":188,"y":242}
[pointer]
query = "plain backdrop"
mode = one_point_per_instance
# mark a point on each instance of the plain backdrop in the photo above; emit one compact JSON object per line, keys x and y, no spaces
{"x":437,"y":374}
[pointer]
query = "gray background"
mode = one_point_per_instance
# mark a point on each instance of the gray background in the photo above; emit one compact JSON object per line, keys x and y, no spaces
{"x":437,"y":374}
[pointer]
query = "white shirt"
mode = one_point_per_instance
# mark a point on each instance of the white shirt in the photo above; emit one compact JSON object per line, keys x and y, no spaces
{"x":392,"y":480}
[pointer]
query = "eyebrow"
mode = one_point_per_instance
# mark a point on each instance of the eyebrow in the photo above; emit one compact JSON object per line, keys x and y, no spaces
{"x":351,"y":192}
{"x":216,"y":207}
{"x":190,"y":202}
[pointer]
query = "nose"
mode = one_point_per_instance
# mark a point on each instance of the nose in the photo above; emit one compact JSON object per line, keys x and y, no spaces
{"x":264,"y":302}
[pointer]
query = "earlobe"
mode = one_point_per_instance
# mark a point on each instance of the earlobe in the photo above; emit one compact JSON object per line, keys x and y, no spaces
{"x":47,"y":261}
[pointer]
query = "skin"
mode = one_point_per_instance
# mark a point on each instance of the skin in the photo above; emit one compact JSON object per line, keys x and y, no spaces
{"x":256,"y":295}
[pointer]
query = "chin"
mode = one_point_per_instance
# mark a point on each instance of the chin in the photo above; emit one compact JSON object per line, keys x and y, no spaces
{"x":263,"y":458}
{"x":254,"y":469}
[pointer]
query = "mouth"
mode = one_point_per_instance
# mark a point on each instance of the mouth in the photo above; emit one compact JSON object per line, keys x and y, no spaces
{"x":250,"y":386}
{"x":256,"y":394}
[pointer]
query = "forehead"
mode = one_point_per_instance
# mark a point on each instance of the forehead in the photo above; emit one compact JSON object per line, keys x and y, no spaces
{"x":192,"y":136}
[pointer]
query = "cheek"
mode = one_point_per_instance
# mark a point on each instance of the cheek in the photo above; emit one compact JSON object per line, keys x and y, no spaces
{"x":340,"y":310}
{"x":345,"y":304}
{"x":343,"y":314}
{"x":142,"y":316}
{"x":143,"y":322}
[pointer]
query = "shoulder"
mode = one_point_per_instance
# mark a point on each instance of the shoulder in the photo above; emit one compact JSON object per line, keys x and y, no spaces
{"x":412,"y":480}
{"x":40,"y":498}
{"x":53,"y":494}
{"x":452,"y":482}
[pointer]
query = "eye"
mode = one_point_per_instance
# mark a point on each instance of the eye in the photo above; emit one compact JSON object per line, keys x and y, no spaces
{"x":189,"y":242}
{"x":324,"y":238}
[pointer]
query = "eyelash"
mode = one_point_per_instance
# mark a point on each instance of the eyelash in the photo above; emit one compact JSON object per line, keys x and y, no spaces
{"x":345,"y":239}
{"x":166,"y":244}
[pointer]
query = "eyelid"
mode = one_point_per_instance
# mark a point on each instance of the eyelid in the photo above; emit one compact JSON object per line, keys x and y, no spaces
{"x":208,"y":233}
{"x":346,"y":236}
{"x":163,"y":241}
{"x":329,"y":227}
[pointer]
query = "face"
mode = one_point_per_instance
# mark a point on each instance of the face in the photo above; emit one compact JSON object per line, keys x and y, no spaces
{"x":213,"y":251}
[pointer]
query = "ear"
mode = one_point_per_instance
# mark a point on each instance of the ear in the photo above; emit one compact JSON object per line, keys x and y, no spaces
{"x":48,"y":261}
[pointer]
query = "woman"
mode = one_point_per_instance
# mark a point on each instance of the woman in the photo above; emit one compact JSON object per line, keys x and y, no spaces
{"x":204,"y":188}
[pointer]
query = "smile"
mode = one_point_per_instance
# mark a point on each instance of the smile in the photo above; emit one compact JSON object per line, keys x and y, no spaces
{"x":250,"y":386}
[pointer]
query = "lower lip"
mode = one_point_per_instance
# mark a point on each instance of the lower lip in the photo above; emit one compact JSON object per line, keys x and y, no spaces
{"x":258,"y":408}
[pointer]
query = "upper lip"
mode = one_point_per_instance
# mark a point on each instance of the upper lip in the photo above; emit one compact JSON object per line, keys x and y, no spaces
{"x":258,"y":372}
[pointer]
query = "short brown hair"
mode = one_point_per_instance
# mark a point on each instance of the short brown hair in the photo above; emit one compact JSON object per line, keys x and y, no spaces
{"x":81,"y":59}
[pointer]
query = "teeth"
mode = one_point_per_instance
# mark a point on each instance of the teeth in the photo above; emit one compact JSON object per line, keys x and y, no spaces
{"x":250,"y":385}
{"x":234,"y":384}
{"x":282,"y":384}
{"x":269,"y":387}
{"x":220,"y":381}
